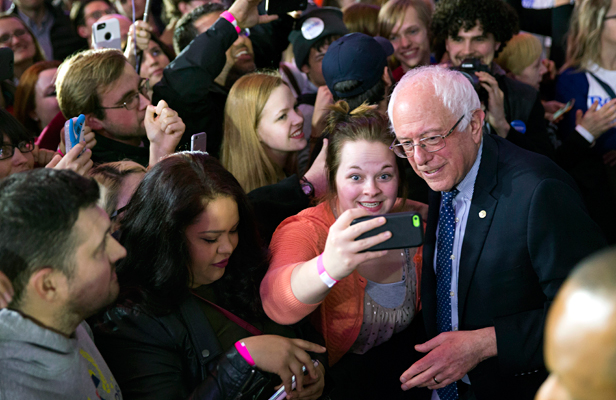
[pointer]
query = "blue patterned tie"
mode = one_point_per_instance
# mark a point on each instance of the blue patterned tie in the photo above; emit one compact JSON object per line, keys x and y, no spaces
{"x":446,"y":234}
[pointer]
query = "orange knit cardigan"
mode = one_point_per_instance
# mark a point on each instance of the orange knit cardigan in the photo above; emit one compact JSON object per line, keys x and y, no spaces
{"x":340,"y":315}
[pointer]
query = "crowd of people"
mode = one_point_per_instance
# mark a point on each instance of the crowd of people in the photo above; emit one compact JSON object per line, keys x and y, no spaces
{"x":134,"y":266}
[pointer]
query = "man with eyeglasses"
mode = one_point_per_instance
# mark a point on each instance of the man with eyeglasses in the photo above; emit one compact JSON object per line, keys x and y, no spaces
{"x":103,"y":86}
{"x":50,"y":26}
{"x":504,"y":229}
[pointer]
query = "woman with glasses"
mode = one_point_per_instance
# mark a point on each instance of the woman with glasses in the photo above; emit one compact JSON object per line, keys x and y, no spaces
{"x":15,"y":35}
{"x":36,"y":103}
{"x":357,"y":300}
{"x":18,"y":152}
{"x":262,"y":131}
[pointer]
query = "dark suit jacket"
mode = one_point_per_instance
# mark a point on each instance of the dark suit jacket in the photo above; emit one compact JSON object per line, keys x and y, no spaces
{"x":513,"y":262}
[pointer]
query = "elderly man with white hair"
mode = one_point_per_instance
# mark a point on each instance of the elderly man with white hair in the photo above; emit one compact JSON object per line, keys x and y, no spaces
{"x":504,"y":229}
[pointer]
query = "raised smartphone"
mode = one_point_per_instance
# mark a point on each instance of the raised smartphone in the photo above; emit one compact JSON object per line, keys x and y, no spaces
{"x":73,"y":132}
{"x":198,"y":142}
{"x":106,"y":34}
{"x":281,"y":7}
{"x":405,"y":227}
{"x":6,"y":63}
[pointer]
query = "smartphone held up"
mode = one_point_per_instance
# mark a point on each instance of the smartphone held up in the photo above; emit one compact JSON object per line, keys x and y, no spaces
{"x":406,"y":231}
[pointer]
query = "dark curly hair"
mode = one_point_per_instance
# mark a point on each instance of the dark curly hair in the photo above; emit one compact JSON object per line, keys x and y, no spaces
{"x":494,"y":16}
{"x":156,"y":274}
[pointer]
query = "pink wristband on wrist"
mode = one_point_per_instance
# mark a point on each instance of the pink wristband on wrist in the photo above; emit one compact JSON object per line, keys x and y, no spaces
{"x":241,"y":348}
{"x":325,"y":277}
{"x":229,"y":17}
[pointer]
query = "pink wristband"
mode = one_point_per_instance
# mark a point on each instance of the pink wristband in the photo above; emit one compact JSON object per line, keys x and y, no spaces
{"x":325,"y":277}
{"x":229,"y":17}
{"x":241,"y":348}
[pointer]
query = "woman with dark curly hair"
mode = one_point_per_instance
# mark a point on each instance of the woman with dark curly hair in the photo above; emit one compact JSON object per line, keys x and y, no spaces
{"x":189,"y":306}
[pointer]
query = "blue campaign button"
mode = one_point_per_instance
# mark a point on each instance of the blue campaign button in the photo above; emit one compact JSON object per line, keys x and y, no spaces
{"x":519,"y":126}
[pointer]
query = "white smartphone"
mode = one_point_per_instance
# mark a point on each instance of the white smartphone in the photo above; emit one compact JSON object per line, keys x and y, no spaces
{"x":198,"y":141}
{"x":106,"y":34}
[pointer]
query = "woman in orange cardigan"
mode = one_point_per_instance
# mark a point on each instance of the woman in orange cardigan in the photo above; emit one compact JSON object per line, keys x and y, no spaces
{"x":357,"y":300}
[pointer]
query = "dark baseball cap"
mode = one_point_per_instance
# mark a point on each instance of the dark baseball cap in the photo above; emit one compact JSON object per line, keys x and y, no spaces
{"x":356,"y":56}
{"x":312,"y":26}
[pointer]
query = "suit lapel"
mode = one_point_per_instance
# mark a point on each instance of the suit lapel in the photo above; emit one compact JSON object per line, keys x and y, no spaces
{"x":479,"y":220}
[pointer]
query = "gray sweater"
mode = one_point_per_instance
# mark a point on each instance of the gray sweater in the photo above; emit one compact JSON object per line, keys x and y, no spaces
{"x":37,"y":363}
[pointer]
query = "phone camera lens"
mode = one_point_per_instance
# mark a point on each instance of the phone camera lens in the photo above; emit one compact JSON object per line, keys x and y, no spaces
{"x":101,"y":26}
{"x":108,"y":36}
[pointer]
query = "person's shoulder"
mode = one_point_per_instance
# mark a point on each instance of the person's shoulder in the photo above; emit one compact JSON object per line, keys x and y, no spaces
{"x":525,"y":165}
{"x":131,"y":320}
{"x":310,"y":220}
{"x":519,"y":88}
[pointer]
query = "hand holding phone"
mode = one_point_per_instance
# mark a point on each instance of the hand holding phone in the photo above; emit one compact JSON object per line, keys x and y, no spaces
{"x":563,"y":110}
{"x":406,"y":229}
{"x":281,"y":7}
{"x":73,"y":132}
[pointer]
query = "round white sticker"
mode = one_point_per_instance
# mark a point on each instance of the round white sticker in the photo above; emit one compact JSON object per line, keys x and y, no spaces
{"x":312,"y":28}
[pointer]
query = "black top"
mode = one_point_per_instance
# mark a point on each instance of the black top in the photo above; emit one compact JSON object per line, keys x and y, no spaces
{"x":109,"y":150}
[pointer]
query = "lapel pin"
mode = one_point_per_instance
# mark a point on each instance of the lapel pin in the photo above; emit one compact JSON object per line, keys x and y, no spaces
{"x":482,"y":214}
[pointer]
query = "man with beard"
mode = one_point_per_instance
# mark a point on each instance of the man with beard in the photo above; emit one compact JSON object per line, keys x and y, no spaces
{"x":58,"y":252}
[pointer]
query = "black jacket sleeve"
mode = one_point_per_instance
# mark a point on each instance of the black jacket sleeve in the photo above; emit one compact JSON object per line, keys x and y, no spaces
{"x":274,"y":203}
{"x":156,"y":359}
{"x":188,"y":79}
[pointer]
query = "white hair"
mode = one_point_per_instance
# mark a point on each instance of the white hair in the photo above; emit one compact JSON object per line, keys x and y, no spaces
{"x":453,"y":89}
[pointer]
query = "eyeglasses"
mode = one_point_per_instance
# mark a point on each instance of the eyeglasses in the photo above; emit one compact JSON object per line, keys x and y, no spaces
{"x":7,"y":150}
{"x":99,"y":13}
{"x":244,"y":32}
{"x":133,"y":102}
{"x":610,"y":17}
{"x":430,"y":144}
{"x":8,"y":36}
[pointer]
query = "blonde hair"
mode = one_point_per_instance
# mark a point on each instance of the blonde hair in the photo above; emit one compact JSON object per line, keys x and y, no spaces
{"x":362,"y":18}
{"x":242,"y":151}
{"x":393,"y":12}
{"x":584,"y":39}
{"x":521,"y":51}
{"x":82,"y":76}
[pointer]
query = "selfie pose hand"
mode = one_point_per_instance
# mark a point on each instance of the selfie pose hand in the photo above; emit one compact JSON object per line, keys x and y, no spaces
{"x":341,"y":255}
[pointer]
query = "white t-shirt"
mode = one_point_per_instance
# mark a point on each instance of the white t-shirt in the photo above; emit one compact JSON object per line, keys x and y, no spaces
{"x":595,"y":90}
